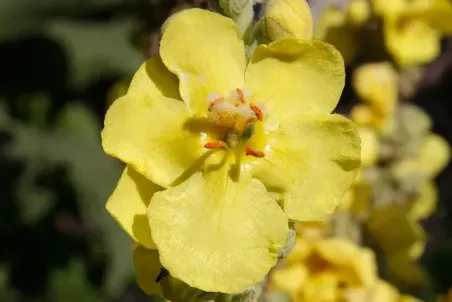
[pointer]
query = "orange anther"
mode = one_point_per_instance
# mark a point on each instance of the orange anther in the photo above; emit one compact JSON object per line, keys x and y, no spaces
{"x":214,"y":102}
{"x":213,"y":145}
{"x":241,"y":95}
{"x":257,"y":111}
{"x":255,"y":153}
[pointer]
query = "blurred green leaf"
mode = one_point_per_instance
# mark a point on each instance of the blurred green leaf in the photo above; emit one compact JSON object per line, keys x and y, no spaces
{"x":96,"y":49}
{"x":70,"y":285}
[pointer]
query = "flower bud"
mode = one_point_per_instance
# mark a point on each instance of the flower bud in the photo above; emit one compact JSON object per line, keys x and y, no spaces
{"x":233,"y":8}
{"x":286,"y":18}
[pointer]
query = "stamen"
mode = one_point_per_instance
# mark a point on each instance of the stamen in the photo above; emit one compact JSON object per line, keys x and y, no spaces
{"x":255,"y":153}
{"x":215,"y":102}
{"x":241,"y":95}
{"x":214,"y":145}
{"x":257,"y":111}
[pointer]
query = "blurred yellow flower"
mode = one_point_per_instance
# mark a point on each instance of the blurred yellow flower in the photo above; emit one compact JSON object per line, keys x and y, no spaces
{"x":377,"y":85}
{"x":413,"y":29}
{"x":331,"y":270}
{"x":205,"y":136}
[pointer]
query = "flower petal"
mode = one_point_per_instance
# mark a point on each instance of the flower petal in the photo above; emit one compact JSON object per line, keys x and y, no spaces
{"x":206,"y":53}
{"x":312,"y":160}
{"x":153,"y":78}
{"x":150,"y":133}
{"x":393,"y":230}
{"x":215,"y":234}
{"x":411,"y":40}
{"x":378,"y":84}
{"x":147,"y":266}
{"x":432,"y":159}
{"x":293,"y":77}
{"x":439,"y":16}
{"x":128,"y":204}
{"x":425,"y":204}
{"x":290,"y":279}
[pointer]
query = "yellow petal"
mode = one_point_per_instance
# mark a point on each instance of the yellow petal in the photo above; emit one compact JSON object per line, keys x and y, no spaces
{"x":431,"y":160}
{"x":365,"y":268}
{"x":404,"y":270}
{"x":369,"y":146}
{"x":392,"y":229}
{"x":153,"y":78}
{"x":384,"y":291}
{"x":425,"y":204}
{"x":336,"y":250}
{"x":411,"y":40}
{"x":312,"y":160}
{"x":310,"y":78}
{"x":300,"y":252}
{"x":321,"y":287}
{"x":439,"y":16}
{"x":150,"y":133}
{"x":147,"y":266}
{"x":128,"y":205}
{"x":377,"y":84}
{"x":216,"y":234}
{"x":358,"y":11}
{"x":290,"y":279}
{"x":205,"y":51}
{"x":434,"y":155}
{"x":363,"y":115}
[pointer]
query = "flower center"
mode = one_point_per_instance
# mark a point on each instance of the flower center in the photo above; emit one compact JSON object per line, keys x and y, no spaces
{"x":235,"y":119}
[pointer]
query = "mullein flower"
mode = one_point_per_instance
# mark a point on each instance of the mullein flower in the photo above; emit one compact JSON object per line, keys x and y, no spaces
{"x":209,"y":141}
{"x":413,"y":29}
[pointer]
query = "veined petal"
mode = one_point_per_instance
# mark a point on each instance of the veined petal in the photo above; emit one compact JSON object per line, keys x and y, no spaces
{"x":150,"y":133}
{"x":205,"y":51}
{"x":292,"y":77}
{"x":128,"y":205}
{"x":147,"y":267}
{"x":411,"y":40}
{"x":228,"y":233}
{"x":312,"y":160}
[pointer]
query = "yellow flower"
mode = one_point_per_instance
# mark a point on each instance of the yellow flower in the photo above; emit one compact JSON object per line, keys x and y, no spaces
{"x":218,"y":138}
{"x":413,"y":29}
{"x":333,"y":270}
{"x":377,"y":85}
{"x":394,"y":230}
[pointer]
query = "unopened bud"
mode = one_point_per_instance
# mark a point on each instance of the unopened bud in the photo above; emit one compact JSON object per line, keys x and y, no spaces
{"x":286,"y":18}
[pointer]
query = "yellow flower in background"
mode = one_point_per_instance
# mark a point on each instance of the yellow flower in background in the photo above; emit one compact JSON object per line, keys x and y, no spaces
{"x":329,"y":269}
{"x":208,"y":139}
{"x":401,"y":238}
{"x":377,"y":85}
{"x":340,"y":27}
{"x":393,"y":230}
{"x":432,"y":158}
{"x":413,"y":29}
